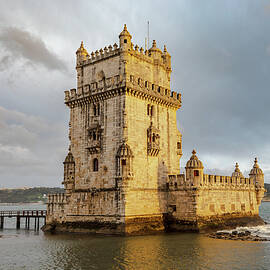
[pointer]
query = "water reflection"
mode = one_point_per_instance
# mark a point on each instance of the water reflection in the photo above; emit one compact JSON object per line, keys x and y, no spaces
{"x":24,"y":249}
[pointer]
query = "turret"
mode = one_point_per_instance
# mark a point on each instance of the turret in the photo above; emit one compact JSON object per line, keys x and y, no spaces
{"x":194,"y":170}
{"x":125,"y":39}
{"x":167,"y":59}
{"x":81,"y":54}
{"x":257,"y":175}
{"x":69,"y":173}
{"x":237,"y":172}
{"x":154,"y":51}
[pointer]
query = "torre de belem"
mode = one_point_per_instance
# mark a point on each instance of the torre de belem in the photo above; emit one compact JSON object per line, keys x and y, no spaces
{"x":122,"y":172}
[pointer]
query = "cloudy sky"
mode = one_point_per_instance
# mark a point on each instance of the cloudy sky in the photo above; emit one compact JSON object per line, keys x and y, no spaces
{"x":221,"y":65}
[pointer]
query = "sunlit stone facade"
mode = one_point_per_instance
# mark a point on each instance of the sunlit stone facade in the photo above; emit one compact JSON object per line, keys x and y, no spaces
{"x":122,"y":172}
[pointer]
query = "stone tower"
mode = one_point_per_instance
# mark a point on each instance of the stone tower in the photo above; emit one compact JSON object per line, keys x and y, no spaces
{"x":122,"y":171}
{"x":123,"y":134}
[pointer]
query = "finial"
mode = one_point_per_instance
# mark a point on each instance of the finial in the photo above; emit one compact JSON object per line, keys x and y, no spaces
{"x":125,"y":27}
{"x":165,"y":49}
{"x":236,"y":165}
{"x":154,"y":44}
{"x":81,"y":44}
{"x":256,"y":163}
{"x":194,"y":152}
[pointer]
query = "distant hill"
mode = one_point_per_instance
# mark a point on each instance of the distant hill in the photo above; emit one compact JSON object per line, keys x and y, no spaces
{"x":267,"y":194}
{"x":27,"y":195}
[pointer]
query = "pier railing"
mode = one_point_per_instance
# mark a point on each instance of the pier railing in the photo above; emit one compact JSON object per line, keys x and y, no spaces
{"x":27,"y":214}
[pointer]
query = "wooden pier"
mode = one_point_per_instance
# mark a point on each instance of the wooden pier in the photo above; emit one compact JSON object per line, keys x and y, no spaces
{"x":23,"y":214}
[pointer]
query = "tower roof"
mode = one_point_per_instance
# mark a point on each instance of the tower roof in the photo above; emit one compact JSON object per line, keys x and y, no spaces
{"x":154,"y":47}
{"x":194,"y":162}
{"x":256,"y":170}
{"x":69,"y":158}
{"x":125,"y":32}
{"x":124,"y":151}
{"x":82,"y":50}
{"x":237,"y":172}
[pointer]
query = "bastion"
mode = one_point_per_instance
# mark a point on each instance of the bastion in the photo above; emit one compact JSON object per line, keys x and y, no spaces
{"x":122,"y":172}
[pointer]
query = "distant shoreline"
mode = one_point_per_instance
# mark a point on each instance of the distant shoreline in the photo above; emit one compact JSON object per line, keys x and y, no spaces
{"x":20,"y":203}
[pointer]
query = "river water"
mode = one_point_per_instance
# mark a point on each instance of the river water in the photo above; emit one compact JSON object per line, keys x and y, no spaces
{"x":22,"y":249}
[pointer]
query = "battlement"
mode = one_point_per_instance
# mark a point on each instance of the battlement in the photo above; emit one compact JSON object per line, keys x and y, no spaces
{"x":210,"y":181}
{"x":98,"y":55}
{"x":153,"y":56}
{"x":133,"y":86}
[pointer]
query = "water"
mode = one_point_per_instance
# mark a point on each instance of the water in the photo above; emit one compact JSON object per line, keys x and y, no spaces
{"x":22,"y":249}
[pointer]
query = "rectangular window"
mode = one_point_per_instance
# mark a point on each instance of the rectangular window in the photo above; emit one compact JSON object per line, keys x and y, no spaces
{"x":196,"y":173}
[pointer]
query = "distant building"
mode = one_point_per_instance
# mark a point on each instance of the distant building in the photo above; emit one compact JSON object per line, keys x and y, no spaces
{"x":122,"y":172}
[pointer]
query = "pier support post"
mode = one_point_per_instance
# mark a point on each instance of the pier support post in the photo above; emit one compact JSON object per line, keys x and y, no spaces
{"x":35,"y":224}
{"x":38,"y":223}
{"x":2,"y":223}
{"x":18,"y":223}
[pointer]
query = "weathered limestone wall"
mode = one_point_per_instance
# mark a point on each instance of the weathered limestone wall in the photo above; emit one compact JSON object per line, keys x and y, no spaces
{"x":214,"y":200}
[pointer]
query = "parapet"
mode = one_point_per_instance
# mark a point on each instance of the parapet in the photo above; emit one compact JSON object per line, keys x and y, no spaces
{"x":134,"y":84}
{"x":154,"y":55}
{"x":179,"y":181}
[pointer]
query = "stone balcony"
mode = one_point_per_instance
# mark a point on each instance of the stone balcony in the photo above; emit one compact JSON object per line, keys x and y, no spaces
{"x":153,"y":148}
{"x":93,"y":146}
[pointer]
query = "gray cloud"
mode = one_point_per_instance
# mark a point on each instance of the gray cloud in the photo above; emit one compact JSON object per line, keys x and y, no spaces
{"x":23,"y":44}
{"x":220,"y":60}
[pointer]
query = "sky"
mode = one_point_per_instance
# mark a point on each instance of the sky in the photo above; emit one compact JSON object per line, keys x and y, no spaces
{"x":221,"y":65}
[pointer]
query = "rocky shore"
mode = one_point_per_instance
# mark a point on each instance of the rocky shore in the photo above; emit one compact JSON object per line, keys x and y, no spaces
{"x":235,"y":235}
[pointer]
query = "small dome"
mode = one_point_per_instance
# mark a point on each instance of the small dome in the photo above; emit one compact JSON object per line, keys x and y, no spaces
{"x":194,"y":162}
{"x":154,"y":48}
{"x":125,"y":32}
{"x":237,"y":172}
{"x":256,"y":169}
{"x":69,"y":158}
{"x":82,"y":50}
{"x":124,"y":151}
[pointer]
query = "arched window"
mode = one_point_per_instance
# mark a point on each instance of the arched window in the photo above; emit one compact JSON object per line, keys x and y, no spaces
{"x":196,"y":173}
{"x":95,"y":110}
{"x":95,"y":165}
{"x":94,"y":136}
{"x":178,"y":145}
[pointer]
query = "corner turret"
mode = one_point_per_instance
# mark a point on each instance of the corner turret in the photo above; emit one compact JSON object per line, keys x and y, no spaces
{"x":194,"y":170}
{"x":257,"y":175}
{"x":69,"y":173}
{"x":125,"y":39}
{"x":81,"y":54}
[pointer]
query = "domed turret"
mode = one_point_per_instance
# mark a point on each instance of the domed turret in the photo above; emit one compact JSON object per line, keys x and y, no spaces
{"x":256,"y":174}
{"x":237,"y":172}
{"x":69,"y":173}
{"x":82,"y":53}
{"x":194,"y":162}
{"x":257,"y":177}
{"x":69,"y":158}
{"x":194,"y":170}
{"x":125,"y":39}
{"x":256,"y":170}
